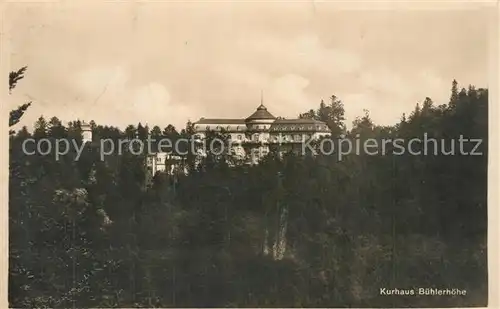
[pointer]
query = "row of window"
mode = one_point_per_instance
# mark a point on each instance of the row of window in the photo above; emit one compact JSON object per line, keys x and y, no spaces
{"x":238,"y":137}
{"x":259,"y":127}
{"x":238,"y":128}
{"x":296,"y":137}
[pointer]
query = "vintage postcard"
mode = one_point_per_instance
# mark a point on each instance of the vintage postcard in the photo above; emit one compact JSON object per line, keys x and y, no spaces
{"x":249,"y":154}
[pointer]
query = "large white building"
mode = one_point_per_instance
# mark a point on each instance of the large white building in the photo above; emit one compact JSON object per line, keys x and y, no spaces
{"x":252,"y":138}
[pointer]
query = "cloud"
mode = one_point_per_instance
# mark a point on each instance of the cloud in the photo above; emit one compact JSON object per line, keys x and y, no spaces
{"x":154,"y":103}
{"x":152,"y":97}
{"x":97,"y":82}
{"x":169,"y":62}
{"x":302,"y":54}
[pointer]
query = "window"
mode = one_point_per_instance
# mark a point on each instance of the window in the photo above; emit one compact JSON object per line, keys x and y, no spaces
{"x":239,"y":137}
{"x":297,"y":138}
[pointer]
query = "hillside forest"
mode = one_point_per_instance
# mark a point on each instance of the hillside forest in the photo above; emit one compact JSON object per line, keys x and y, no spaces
{"x":293,"y":231}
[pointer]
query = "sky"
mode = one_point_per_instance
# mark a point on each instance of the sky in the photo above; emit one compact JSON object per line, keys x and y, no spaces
{"x":162,"y":63}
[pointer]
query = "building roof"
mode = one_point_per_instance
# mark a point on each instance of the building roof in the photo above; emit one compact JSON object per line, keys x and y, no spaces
{"x":298,"y":120}
{"x":261,"y":113}
{"x":293,"y":125}
{"x":220,"y":121}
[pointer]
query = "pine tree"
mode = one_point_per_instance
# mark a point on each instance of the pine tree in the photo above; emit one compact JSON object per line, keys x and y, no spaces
{"x":142,"y":132}
{"x":55,"y":128}
{"x":41,"y":127}
{"x":427,"y":105}
{"x":454,"y":93}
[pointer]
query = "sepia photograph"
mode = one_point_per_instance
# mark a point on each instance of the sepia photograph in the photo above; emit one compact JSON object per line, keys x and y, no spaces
{"x":244,"y":154}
